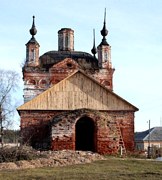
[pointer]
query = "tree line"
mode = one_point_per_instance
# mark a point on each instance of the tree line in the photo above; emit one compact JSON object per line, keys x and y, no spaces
{"x":11,"y":136}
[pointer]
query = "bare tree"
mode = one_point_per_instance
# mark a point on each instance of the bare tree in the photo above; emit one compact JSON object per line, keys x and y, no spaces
{"x":9,"y":81}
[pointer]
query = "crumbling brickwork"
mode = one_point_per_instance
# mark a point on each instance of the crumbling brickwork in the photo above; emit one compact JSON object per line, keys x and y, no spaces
{"x":38,"y":80}
{"x":56,"y":130}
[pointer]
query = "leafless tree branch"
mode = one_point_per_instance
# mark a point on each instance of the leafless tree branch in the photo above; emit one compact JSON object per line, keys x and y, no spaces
{"x":9,"y":82}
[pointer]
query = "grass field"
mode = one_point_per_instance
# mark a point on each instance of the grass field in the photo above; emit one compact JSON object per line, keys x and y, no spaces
{"x":109,"y":169}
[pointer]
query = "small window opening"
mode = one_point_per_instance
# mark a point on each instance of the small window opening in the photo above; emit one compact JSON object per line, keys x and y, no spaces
{"x":69,"y":65}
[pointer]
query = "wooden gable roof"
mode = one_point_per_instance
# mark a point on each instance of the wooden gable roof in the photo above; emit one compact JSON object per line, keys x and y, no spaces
{"x":78,"y":91}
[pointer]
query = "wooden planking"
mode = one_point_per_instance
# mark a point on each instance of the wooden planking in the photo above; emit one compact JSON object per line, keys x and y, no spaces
{"x":77,"y":91}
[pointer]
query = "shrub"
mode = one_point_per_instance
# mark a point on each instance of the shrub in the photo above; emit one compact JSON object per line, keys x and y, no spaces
{"x":156,"y":152}
{"x":137,"y":154}
{"x":12,"y":154}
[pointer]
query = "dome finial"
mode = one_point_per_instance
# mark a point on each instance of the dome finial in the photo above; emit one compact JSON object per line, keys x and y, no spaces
{"x":105,"y":16}
{"x":33,"y":30}
{"x":94,"y":50}
{"x":104,"y":31}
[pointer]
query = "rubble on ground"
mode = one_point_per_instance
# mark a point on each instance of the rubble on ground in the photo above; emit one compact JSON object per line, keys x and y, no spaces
{"x":54,"y":159}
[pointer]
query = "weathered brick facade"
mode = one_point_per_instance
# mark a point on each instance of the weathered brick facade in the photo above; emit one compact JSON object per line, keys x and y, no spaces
{"x":56,"y":130}
{"x":69,"y":99}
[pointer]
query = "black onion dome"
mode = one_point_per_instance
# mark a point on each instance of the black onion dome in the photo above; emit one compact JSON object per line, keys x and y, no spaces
{"x":94,"y":49}
{"x":104,"y":31}
{"x":33,"y":30}
{"x":84,"y":59}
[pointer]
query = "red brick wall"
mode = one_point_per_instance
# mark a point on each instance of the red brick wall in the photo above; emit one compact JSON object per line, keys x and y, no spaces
{"x":36,"y":129}
{"x":127,"y":129}
{"x":107,"y":143}
{"x":63,"y":144}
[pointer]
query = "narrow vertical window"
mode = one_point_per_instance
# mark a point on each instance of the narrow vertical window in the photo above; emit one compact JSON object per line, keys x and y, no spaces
{"x":66,"y":42}
{"x":32,"y":55}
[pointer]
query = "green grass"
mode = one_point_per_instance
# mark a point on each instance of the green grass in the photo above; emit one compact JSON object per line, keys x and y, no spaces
{"x":109,"y":169}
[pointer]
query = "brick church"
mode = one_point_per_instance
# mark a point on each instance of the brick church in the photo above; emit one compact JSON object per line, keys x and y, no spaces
{"x":69,"y":101}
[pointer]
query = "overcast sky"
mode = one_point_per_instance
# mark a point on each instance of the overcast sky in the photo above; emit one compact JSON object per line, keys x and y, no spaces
{"x":135,"y":34}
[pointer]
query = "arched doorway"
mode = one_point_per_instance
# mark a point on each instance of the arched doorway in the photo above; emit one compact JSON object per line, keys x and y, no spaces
{"x":84,"y":134}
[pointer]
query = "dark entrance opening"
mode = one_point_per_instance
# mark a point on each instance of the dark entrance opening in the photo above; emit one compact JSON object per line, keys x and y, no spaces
{"x":84,"y":134}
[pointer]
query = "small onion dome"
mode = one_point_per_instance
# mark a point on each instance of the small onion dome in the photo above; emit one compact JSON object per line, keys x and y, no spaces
{"x":33,"y":30}
{"x":94,"y":49}
{"x":104,"y":31}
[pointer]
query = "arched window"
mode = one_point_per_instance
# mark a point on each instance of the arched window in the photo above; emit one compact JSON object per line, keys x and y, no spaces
{"x":31,"y":82}
{"x":32,"y":55}
{"x":106,"y":83}
{"x":42,"y":83}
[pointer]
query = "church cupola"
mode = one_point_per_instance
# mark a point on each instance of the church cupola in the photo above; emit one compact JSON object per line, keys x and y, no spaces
{"x":32,"y":48}
{"x":104,"y":32}
{"x":104,"y":49}
{"x":94,"y":49}
{"x":66,"y":39}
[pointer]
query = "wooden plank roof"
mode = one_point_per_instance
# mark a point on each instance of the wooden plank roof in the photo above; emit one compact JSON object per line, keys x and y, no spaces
{"x":78,"y":91}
